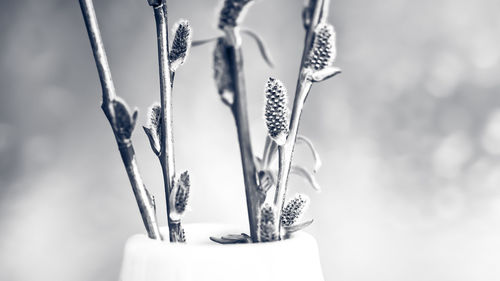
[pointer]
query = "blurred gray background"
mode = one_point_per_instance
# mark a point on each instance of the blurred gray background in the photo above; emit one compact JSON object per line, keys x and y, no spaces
{"x":409,"y":134}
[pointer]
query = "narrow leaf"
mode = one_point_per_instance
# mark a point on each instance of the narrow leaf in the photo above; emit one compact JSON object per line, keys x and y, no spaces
{"x":153,"y":141}
{"x":197,"y":43}
{"x":262,"y":47}
{"x":294,"y":228}
{"x":231,"y":239}
{"x":315,"y":154}
{"x":300,"y":171}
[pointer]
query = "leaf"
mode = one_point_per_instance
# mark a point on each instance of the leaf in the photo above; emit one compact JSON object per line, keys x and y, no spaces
{"x":315,"y":154}
{"x":232,"y":239}
{"x":323,"y":74}
{"x":197,"y":43}
{"x":300,"y":171}
{"x":262,"y":47}
{"x":294,"y":228}
{"x":153,"y":141}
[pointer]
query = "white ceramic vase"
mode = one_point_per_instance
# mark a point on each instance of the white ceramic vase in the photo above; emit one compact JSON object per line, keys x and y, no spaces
{"x":200,"y":259}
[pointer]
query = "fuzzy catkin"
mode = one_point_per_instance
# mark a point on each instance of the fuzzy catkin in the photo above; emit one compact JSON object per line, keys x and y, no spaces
{"x":266,"y":224}
{"x":154,"y":117}
{"x":293,"y":210}
{"x":182,"y":195}
{"x":323,"y":51}
{"x":180,"y":44}
{"x":231,"y":12}
{"x":276,"y":110}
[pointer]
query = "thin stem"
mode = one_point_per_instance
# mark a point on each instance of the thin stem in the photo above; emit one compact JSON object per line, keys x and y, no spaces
{"x":304,"y":84}
{"x":166,"y":138}
{"x":101,"y":60}
{"x":144,"y":200}
{"x":240,"y":114}
{"x":285,"y":152}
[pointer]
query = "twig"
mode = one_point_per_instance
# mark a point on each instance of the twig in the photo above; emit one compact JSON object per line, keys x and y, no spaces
{"x":166,"y":156}
{"x":121,"y":122}
{"x":240,"y":114}
{"x":304,"y":83}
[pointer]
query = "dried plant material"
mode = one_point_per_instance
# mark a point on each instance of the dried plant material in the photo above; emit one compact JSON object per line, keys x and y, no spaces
{"x":323,"y":50}
{"x":222,"y":72}
{"x":289,"y":230}
{"x":293,"y":210}
{"x":124,"y":122}
{"x":179,"y":196}
{"x":266,"y":181}
{"x":153,"y":127}
{"x":180,"y":45}
{"x":301,"y":171}
{"x":267,"y":224}
{"x":232,"y":12}
{"x":314,"y":152}
{"x":276,"y":111}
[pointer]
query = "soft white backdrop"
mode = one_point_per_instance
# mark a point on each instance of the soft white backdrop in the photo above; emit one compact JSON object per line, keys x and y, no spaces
{"x":409,"y":135}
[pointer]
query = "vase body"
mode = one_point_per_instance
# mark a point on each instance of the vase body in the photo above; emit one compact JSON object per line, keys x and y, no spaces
{"x":200,"y":259}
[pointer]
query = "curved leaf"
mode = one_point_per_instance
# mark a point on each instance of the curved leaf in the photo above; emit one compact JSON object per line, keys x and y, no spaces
{"x":262,"y":48}
{"x":315,"y":154}
{"x":296,"y":227}
{"x":232,"y":239}
{"x":300,"y":171}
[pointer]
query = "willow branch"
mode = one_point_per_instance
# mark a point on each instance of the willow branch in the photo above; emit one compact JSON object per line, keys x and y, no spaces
{"x":110,"y":104}
{"x":285,"y":151}
{"x":240,"y":114}
{"x":166,"y":155}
